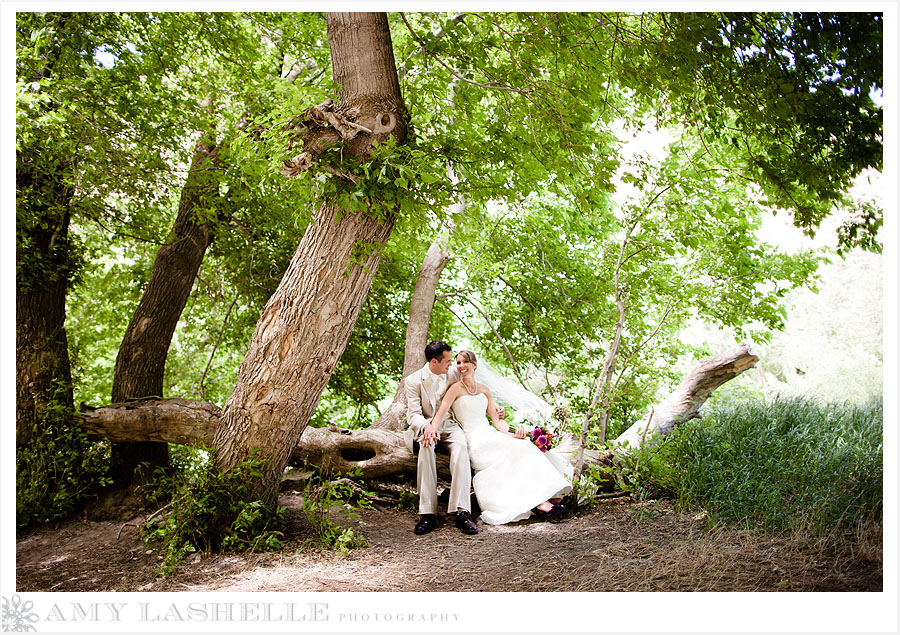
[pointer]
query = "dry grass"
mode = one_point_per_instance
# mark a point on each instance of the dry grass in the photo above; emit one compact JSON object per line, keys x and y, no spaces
{"x":619,"y":546}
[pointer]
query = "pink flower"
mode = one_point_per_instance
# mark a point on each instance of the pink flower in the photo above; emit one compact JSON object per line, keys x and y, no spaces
{"x":542,"y":441}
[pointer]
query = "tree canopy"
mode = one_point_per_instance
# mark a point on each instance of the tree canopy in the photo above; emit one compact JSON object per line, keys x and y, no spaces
{"x":522,"y":116}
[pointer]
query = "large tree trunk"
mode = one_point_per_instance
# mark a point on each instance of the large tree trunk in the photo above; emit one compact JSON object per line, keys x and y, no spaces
{"x":141,"y":362}
{"x":43,"y":374}
{"x":306,"y":323}
{"x":45,"y":264}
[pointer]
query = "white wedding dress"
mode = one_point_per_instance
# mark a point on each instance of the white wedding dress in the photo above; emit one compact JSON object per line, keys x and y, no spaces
{"x":511,"y":475}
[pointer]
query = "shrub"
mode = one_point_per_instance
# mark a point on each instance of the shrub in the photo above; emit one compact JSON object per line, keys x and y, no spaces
{"x":320,"y":496}
{"x":210,"y":510}
{"x":790,"y":464}
{"x":57,"y":469}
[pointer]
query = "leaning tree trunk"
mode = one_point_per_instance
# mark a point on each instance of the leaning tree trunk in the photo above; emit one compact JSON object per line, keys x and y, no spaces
{"x":422,"y":303}
{"x":43,"y":374}
{"x":420,"y":308}
{"x":684,"y":404}
{"x":141,"y":362}
{"x":307,"y":322}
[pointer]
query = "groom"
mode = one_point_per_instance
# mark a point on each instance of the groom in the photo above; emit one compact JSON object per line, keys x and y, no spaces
{"x":424,"y":390}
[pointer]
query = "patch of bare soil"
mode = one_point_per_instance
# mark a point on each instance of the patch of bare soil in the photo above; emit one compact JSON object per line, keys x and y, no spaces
{"x":619,"y":545}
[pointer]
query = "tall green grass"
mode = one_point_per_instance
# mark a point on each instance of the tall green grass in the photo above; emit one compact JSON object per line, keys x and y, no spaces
{"x":789,"y":464}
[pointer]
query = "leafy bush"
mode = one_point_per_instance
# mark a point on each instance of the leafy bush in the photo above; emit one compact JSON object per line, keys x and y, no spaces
{"x":57,"y":469}
{"x":319,"y":497}
{"x":408,"y":501}
{"x":210,"y":510}
{"x":790,"y":464}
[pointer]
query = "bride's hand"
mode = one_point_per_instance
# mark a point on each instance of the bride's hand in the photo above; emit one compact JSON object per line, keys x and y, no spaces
{"x":430,"y":435}
{"x":520,"y":433}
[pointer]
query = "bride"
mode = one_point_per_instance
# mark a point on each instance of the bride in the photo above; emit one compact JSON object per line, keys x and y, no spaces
{"x":512,"y":477}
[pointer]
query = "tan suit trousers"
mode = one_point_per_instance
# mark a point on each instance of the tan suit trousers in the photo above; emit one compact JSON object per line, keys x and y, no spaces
{"x":454,"y":440}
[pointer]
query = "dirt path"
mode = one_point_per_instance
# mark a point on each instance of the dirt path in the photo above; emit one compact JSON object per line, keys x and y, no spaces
{"x":619,"y":546}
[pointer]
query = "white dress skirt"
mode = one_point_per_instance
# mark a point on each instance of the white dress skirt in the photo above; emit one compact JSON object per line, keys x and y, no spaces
{"x":511,"y":475}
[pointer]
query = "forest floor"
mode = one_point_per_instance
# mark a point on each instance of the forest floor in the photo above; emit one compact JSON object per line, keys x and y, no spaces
{"x":617,"y":545}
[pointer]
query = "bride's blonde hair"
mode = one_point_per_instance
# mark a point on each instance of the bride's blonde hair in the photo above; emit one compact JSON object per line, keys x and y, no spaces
{"x":469,"y":356}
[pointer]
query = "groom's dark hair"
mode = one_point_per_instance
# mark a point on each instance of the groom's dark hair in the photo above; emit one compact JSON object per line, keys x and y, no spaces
{"x":436,"y":349}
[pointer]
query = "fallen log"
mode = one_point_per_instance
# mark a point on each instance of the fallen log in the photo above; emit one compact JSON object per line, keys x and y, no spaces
{"x":179,"y":421}
{"x":375,"y":453}
{"x":372,"y":453}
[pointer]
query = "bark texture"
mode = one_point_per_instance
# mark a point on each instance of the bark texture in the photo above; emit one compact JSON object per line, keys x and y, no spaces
{"x":374,"y":453}
{"x":307,"y":322}
{"x":141,"y":362}
{"x":151,"y":419}
{"x":684,"y":404}
{"x":44,"y":266}
{"x":394,"y":416}
{"x":422,"y":303}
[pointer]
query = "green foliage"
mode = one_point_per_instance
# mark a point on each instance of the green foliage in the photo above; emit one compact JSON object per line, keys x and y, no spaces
{"x":594,"y":479}
{"x":57,"y":469}
{"x":534,"y":268}
{"x":792,"y":464}
{"x":218,"y":61}
{"x":791,"y":90}
{"x":695,"y":246}
{"x":861,"y":229}
{"x":408,"y":501}
{"x":511,"y":99}
{"x":323,"y":497}
{"x":210,"y":510}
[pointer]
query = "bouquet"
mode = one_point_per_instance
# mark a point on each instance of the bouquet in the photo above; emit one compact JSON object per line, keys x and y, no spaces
{"x":542,"y":438}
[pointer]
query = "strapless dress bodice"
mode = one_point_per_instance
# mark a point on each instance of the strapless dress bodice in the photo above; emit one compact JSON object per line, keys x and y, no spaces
{"x":470,"y":410}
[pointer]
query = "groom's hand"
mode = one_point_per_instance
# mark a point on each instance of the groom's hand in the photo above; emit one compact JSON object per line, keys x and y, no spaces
{"x":430,"y":435}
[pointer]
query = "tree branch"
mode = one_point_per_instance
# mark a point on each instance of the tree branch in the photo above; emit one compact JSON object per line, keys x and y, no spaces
{"x":215,"y":347}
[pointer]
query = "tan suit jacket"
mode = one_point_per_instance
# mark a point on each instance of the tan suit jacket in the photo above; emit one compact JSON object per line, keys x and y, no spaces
{"x":422,"y":403}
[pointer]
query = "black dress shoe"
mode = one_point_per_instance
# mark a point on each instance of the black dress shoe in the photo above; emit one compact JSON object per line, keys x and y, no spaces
{"x":427,"y":522}
{"x":465,"y":523}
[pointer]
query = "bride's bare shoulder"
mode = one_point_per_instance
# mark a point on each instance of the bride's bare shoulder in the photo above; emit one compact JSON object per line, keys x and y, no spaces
{"x":455,"y":386}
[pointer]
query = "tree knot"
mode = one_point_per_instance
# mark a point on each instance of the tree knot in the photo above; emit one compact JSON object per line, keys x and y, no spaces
{"x":357,"y":124}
